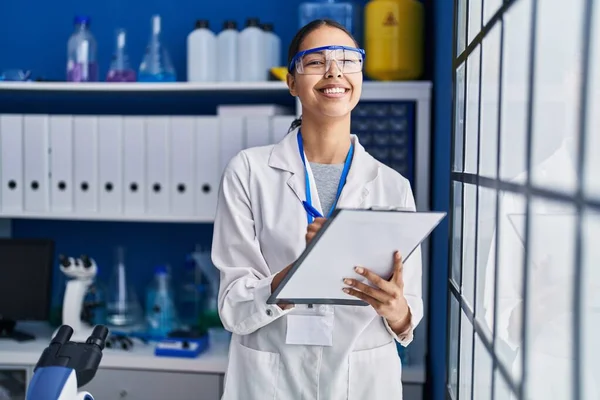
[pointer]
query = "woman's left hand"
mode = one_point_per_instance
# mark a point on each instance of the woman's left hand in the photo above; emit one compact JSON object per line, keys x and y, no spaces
{"x":387,"y":297}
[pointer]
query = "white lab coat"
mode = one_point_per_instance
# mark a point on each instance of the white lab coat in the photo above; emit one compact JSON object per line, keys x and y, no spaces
{"x":551,"y":336}
{"x":259,"y":229}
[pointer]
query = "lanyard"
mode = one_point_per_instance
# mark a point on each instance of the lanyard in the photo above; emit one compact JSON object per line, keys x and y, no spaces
{"x":307,"y":181}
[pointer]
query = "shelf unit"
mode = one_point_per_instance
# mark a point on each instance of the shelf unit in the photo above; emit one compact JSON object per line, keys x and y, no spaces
{"x":164,"y":99}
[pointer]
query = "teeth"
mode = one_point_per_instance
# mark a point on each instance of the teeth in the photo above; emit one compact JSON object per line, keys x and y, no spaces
{"x":334,"y":90}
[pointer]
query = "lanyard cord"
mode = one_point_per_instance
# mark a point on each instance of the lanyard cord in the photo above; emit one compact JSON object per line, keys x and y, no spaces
{"x":307,"y":181}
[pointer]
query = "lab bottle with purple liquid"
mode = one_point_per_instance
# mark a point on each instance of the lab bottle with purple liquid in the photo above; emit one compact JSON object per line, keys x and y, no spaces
{"x":120,"y":69}
{"x":82,"y":64}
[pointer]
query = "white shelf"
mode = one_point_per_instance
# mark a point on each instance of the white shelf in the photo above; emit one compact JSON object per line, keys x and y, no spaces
{"x":51,"y":215}
{"x":143,"y":87}
{"x":372,"y":90}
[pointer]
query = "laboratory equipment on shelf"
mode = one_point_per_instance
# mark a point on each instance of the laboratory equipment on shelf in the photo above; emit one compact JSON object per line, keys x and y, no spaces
{"x":201,"y":54}
{"x":394,"y":39}
{"x":252,"y":62}
{"x":161,"y":314}
{"x":156,"y":65}
{"x":227,"y":52}
{"x":120,"y":69}
{"x":210,"y":315}
{"x":272,"y":47}
{"x":81,"y":272}
{"x":122,"y":306}
{"x":345,"y":13}
{"x":66,"y":365}
{"x":191,"y":294}
{"x":15,"y":75}
{"x":82,"y":64}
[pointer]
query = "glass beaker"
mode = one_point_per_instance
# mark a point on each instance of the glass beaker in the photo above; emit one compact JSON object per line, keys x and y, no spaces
{"x":122,"y":305}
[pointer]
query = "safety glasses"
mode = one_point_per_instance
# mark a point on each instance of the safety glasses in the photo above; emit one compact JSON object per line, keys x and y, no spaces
{"x":317,"y":61}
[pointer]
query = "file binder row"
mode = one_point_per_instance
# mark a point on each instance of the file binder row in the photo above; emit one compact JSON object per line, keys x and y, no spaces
{"x":122,"y":166}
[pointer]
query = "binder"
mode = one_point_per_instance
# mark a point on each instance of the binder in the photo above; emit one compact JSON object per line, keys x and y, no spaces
{"x":134,"y":166}
{"x":257,"y":131}
{"x":85,"y":151}
{"x":349,"y":238}
{"x":61,"y":164}
{"x":157,"y":165}
{"x":232,"y":139}
{"x":36,"y":149}
{"x":11,"y":164}
{"x":110,"y":164}
{"x":182,"y":158}
{"x":208,"y":170}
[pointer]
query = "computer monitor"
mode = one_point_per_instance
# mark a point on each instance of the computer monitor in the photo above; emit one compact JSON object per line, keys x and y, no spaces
{"x":25,"y":283}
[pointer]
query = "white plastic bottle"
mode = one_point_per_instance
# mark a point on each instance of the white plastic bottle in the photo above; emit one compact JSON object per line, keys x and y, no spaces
{"x":227,"y":52}
{"x":252,"y":65}
{"x":201,"y":54}
{"x":273,"y":47}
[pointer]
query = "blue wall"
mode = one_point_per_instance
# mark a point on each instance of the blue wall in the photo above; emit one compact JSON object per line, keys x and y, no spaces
{"x":34,"y":33}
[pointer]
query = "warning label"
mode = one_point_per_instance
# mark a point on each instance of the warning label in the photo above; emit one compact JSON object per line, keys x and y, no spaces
{"x":390,"y":20}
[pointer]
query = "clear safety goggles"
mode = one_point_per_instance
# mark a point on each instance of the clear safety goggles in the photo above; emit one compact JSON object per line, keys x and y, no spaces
{"x":317,"y":61}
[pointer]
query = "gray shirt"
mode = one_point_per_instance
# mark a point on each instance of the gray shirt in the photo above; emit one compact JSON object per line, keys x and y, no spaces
{"x":327,"y":179}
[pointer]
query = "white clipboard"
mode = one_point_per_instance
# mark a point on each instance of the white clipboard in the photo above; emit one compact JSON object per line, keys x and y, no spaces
{"x":352,"y":237}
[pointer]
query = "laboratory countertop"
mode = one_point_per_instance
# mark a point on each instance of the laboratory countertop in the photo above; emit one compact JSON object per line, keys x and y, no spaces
{"x":141,"y":356}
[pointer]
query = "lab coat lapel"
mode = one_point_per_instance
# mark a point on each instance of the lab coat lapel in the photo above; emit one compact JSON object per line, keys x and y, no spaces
{"x":285,"y":157}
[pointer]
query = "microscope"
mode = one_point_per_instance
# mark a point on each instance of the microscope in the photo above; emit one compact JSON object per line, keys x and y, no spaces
{"x":65,"y":366}
{"x":82,"y":272}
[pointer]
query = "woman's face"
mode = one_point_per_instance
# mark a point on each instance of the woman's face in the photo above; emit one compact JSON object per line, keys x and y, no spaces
{"x":312,"y":89}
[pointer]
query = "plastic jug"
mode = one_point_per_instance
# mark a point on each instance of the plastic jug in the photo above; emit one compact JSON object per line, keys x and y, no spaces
{"x":272,"y":46}
{"x":394,"y":39}
{"x":82,"y":65}
{"x":227,"y":52}
{"x":201,"y":54}
{"x":252,"y":63}
{"x":345,"y":13}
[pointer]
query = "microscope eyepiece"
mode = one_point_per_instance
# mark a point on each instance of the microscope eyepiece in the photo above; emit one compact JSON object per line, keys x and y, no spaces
{"x":64,"y":261}
{"x":87,"y":263}
{"x":63,"y":335}
{"x":98,"y":336}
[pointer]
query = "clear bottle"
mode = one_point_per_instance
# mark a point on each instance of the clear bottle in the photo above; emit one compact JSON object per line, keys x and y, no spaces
{"x":201,"y":54}
{"x":161,"y":314}
{"x":82,"y":64}
{"x":227,"y":52}
{"x":272,"y":46}
{"x":156,"y":65}
{"x":191,"y":294}
{"x":122,"y":305}
{"x":344,"y":12}
{"x":120,"y":69}
{"x":252,"y":64}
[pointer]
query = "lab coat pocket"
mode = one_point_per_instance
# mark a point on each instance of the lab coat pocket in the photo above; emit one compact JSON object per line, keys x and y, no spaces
{"x":375,"y":374}
{"x":251,"y":374}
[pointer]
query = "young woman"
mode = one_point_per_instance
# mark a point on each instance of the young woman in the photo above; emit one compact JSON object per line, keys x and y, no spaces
{"x":261,"y":227}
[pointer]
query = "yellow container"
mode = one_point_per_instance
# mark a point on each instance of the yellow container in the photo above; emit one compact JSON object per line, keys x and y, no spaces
{"x":394,"y":31}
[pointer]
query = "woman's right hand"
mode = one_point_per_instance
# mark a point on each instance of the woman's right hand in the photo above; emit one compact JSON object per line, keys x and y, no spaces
{"x":313,"y":228}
